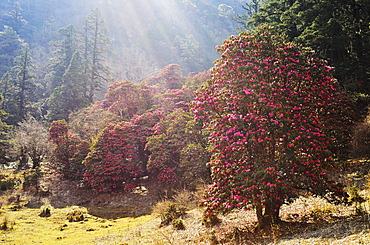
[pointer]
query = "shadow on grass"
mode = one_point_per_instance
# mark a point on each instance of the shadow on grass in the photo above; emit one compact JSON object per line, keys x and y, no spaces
{"x":118,"y":212}
{"x":337,"y":228}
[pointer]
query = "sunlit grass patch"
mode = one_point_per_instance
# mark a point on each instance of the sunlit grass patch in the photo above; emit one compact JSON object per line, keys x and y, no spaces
{"x":30,"y":228}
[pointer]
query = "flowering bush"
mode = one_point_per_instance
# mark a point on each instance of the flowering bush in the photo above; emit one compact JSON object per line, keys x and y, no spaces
{"x":68,"y":152}
{"x":144,"y":126}
{"x":175,"y":155}
{"x":264,"y":107}
{"x":126,"y":99}
{"x":113,"y":161}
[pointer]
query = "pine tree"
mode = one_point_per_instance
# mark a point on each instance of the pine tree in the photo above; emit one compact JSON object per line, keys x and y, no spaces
{"x":10,"y":47}
{"x":95,"y":50}
{"x":69,"y":96}
{"x":26,"y":90}
{"x":62,"y":55}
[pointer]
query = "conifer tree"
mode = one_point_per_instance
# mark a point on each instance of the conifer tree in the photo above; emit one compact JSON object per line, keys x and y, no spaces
{"x":69,"y":96}
{"x":95,"y":49}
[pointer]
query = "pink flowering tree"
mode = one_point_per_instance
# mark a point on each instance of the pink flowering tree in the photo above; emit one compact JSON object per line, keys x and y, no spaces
{"x":170,"y":77}
{"x":126,"y":99}
{"x":264,"y":108}
{"x":68,"y":152}
{"x":113,"y":161}
{"x":144,"y":126}
{"x":178,"y":153}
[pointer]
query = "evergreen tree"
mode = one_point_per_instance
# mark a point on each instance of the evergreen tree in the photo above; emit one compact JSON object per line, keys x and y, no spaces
{"x":26,"y":90}
{"x":338,"y":30}
{"x":10,"y":47}
{"x":15,"y":20}
{"x":69,"y":96}
{"x":6,"y":82}
{"x":4,"y":130}
{"x":62,"y":55}
{"x":95,"y":50}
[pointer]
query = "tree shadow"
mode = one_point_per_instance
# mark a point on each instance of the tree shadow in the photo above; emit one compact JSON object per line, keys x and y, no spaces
{"x":336,"y":228}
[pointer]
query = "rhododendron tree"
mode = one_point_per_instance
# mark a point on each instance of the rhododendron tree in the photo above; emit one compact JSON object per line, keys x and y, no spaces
{"x":68,"y":152}
{"x":194,"y":80}
{"x":177,"y":157}
{"x":126,"y":99}
{"x":113,"y":161}
{"x":170,"y":77}
{"x":144,"y":126}
{"x":174,"y":99}
{"x":264,"y":107}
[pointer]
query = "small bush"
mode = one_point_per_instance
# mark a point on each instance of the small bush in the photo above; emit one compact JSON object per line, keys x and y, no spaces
{"x":76,"y":215}
{"x":356,"y":199}
{"x":173,"y":212}
{"x":8,"y":184}
{"x":6,"y":223}
{"x":45,"y":211}
{"x":178,"y":224}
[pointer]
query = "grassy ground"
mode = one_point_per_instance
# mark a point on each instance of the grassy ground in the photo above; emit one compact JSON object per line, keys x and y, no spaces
{"x":29,"y":228}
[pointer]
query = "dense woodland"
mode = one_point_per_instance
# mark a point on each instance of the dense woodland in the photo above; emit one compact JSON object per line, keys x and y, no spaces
{"x":109,"y":93}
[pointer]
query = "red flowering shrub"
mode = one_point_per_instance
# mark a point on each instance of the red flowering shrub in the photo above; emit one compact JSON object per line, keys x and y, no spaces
{"x":264,"y":107}
{"x":169,"y":77}
{"x":126,"y":99}
{"x":175,"y":155}
{"x":144,"y":126}
{"x":68,"y":152}
{"x":113,"y":160}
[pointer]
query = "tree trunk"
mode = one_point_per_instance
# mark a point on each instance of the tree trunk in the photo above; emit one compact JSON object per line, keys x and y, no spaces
{"x":270,"y":215}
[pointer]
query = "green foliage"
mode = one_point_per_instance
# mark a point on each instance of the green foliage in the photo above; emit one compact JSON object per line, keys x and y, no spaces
{"x":4,"y":131}
{"x":63,"y":51}
{"x":71,"y":94}
{"x":337,"y":30}
{"x":10,"y":47}
{"x":95,"y":50}
{"x":21,"y":91}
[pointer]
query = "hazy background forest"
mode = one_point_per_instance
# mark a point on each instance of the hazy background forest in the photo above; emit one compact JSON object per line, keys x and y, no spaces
{"x":144,"y":35}
{"x":136,"y":40}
